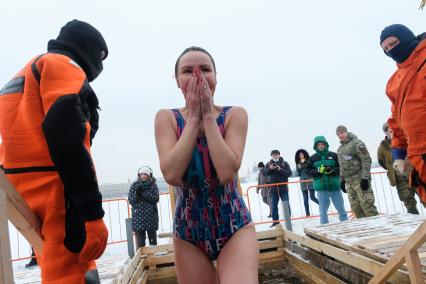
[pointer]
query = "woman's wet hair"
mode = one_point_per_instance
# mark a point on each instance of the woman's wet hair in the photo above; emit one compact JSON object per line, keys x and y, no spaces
{"x":193,"y":48}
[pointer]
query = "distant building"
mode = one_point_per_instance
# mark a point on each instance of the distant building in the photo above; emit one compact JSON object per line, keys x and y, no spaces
{"x":117,"y":190}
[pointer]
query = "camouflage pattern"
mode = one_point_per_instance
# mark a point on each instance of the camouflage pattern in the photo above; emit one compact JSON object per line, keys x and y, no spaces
{"x":405,"y":193}
{"x":355,"y":165}
{"x":354,"y":159}
{"x":362,"y":202}
{"x":384,"y":157}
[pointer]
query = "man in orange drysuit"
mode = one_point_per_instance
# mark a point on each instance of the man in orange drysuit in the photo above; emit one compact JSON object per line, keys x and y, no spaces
{"x":48,"y":118}
{"x":406,"y":90}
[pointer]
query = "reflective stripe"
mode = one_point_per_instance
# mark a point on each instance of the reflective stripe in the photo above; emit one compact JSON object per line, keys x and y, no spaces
{"x":16,"y":85}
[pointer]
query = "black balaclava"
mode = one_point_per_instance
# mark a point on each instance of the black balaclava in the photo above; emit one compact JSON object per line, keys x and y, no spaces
{"x":407,"y":42}
{"x":82,"y":43}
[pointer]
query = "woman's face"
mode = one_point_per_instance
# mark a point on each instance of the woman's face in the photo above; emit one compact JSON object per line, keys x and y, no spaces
{"x":301,"y":155}
{"x":187,"y":64}
{"x":144,"y":177}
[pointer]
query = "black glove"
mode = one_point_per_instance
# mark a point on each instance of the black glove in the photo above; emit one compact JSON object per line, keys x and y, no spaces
{"x":365,"y":185}
{"x":328,"y":170}
{"x":343,"y":186}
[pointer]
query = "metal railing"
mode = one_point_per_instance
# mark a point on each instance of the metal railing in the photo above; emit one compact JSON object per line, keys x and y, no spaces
{"x":386,"y":200}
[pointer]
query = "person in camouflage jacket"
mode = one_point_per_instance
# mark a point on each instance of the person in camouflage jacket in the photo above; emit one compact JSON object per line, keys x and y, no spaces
{"x":355,"y":177}
{"x":405,"y":192}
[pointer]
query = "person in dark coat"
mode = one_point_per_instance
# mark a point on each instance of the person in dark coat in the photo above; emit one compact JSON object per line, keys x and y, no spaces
{"x":301,"y":159}
{"x":277,"y":171}
{"x":144,"y":196}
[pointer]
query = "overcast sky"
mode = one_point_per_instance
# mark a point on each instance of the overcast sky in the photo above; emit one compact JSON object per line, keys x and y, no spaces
{"x":300,"y":68}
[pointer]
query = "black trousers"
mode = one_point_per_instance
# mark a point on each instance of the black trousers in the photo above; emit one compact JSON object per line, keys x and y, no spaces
{"x":141,"y":237}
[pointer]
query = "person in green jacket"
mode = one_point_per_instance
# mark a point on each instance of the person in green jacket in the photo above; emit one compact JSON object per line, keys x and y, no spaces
{"x":324,"y":168}
{"x":384,"y":156}
{"x":355,"y":176}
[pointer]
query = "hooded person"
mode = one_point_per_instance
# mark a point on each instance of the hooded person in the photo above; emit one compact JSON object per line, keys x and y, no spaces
{"x":355,"y":176}
{"x":49,"y":120}
{"x":301,"y":159}
{"x":323,"y":166}
{"x":405,"y":89}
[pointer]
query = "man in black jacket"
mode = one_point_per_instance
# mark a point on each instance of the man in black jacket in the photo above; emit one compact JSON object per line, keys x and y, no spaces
{"x":277,"y":171}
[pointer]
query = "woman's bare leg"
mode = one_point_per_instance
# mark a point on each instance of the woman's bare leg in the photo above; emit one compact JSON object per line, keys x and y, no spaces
{"x":192,"y":265}
{"x":238,"y":260}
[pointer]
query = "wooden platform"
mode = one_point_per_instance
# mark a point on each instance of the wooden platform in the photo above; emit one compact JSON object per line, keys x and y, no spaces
{"x":343,"y":252}
{"x":152,"y":264}
{"x":357,"y":249}
{"x":377,"y":237}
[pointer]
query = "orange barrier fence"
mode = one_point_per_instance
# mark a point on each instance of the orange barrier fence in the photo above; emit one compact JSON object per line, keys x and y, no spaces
{"x":386,"y":200}
{"x":116,"y":211}
{"x":260,"y":210}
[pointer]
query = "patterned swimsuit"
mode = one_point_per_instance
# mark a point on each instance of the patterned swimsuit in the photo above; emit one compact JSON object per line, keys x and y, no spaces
{"x":207,"y":213}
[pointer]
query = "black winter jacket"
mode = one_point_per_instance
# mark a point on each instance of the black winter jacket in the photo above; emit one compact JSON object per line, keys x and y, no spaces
{"x":144,"y":196}
{"x":278,"y":175}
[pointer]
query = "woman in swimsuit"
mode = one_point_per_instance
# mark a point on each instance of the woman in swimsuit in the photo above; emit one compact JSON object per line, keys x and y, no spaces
{"x":200,"y":147}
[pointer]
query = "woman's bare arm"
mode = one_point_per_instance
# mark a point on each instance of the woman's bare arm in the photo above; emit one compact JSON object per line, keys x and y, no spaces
{"x":227,"y":152}
{"x":174,"y":154}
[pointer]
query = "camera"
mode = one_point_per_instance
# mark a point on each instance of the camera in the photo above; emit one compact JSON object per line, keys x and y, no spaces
{"x":275,"y":165}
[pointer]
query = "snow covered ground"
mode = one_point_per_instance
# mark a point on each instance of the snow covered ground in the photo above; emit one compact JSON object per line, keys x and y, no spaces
{"x":116,"y":211}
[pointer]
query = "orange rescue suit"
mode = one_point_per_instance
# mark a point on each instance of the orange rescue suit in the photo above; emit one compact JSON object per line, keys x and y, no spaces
{"x":406,"y":90}
{"x":48,"y":118}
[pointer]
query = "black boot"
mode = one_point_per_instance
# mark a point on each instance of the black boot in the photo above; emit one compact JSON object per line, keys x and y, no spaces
{"x":32,"y":263}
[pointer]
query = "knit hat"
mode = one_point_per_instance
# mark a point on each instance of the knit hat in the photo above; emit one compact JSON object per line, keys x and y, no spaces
{"x":274,"y":152}
{"x":82,"y":43}
{"x":407,"y":42}
{"x":341,"y":128}
{"x":145,"y":170}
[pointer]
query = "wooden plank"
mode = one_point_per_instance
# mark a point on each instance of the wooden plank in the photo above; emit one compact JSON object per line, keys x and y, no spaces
{"x":271,"y":256}
{"x":21,"y":215}
{"x":6,"y":272}
{"x":271,"y":244}
{"x":310,"y":273}
{"x":156,"y":260}
{"x":346,"y":256}
{"x":372,"y":244}
{"x":138,"y":272}
{"x":412,"y":244}
{"x":332,"y":266}
{"x":163,"y":272}
{"x":156,"y":249}
{"x":269,"y":234}
{"x":414,"y":268}
{"x":131,"y":268}
{"x":143,"y":279}
{"x":354,"y":248}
